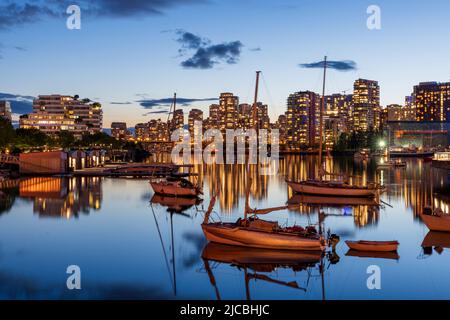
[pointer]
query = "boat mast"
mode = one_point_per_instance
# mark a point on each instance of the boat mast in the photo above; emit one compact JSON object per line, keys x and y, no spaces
{"x":322,"y":108}
{"x":255,"y":127}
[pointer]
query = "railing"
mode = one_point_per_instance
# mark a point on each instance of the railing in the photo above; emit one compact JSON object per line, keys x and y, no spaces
{"x":6,"y":158}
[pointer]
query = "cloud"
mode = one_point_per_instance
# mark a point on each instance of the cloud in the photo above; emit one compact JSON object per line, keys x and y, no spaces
{"x":156,"y":112}
{"x":19,"y":104}
{"x":120,"y":103}
{"x":255,"y":49}
{"x":152,"y":103}
{"x":344,"y":65}
{"x":14,"y":14}
{"x":206,"y":55}
{"x":20,"y":48}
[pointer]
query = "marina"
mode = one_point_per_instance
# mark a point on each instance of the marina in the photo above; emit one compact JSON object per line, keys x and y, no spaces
{"x":55,"y":218}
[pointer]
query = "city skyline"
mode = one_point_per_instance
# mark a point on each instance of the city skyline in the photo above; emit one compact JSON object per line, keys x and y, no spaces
{"x":131,"y":77}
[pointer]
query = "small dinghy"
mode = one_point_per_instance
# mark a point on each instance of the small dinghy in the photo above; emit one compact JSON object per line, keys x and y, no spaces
{"x":379,"y":246}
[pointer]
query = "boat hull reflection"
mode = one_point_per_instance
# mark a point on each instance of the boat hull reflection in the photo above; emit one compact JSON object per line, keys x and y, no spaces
{"x":331,"y":201}
{"x":255,"y":257}
{"x":175,"y":204}
{"x":373,"y":254}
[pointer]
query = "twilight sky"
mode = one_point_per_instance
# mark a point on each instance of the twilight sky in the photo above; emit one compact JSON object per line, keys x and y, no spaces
{"x":132,"y":55}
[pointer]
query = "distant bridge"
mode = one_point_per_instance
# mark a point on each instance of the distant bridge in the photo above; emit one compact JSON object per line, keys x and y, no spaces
{"x":8,"y":159}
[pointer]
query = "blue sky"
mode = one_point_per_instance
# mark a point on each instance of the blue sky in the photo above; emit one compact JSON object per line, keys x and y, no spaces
{"x":126,"y":53}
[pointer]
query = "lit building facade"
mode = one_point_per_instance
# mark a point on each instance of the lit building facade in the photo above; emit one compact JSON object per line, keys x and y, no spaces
{"x":302,"y":120}
{"x":119,"y":130}
{"x":366,"y":105}
{"x":54,"y":113}
{"x":5,"y":110}
{"x":228,"y":110}
{"x":194,"y":115}
{"x":432,"y":101}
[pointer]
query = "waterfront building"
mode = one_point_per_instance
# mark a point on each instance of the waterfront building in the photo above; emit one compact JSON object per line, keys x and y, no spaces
{"x":177,"y":121}
{"x":158,"y":131}
{"x":340,"y":105}
{"x":423,"y":134}
{"x":5,"y":110}
{"x":54,"y":113}
{"x":366,"y":105}
{"x":194,"y":115}
{"x":141,"y":131}
{"x":409,"y":110}
{"x":432,"y":101}
{"x":245,"y":115}
{"x":395,"y":112}
{"x":228,"y":108}
{"x":302,"y":120}
{"x":119,"y":130}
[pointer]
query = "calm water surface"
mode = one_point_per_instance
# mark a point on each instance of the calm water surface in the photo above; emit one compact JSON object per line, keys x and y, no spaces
{"x":132,"y":245}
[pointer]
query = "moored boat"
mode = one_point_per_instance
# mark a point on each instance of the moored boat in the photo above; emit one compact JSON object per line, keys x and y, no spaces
{"x":175,"y":187}
{"x":333,"y":188}
{"x":435,"y":221}
{"x":380,"y":246}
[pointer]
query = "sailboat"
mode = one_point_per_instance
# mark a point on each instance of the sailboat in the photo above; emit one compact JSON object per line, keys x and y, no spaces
{"x":173,"y":185}
{"x":258,"y":233}
{"x":325,"y":187}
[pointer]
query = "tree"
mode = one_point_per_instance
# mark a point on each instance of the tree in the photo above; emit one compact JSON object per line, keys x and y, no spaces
{"x":65,"y":139}
{"x":7,"y":133}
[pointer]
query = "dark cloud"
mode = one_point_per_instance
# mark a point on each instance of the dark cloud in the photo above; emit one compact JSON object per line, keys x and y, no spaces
{"x":120,"y":103}
{"x":19,"y":104}
{"x":206,"y":55}
{"x":152,"y":103}
{"x":255,"y":49}
{"x":156,"y":112}
{"x":14,"y":14}
{"x":344,"y":65}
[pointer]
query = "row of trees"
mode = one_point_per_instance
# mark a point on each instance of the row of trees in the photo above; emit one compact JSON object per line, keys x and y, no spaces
{"x":358,"y":140}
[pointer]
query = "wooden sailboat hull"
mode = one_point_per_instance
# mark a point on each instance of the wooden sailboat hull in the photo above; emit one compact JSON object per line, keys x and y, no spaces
{"x":171,"y":190}
{"x":373,"y":246}
{"x":237,"y":236}
{"x":331,"y":190}
{"x":436,"y":223}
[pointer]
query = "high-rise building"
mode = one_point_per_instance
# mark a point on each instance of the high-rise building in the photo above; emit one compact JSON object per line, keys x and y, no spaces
{"x":302,"y":120}
{"x":263,"y":120}
{"x":194,"y":115}
{"x":409,"y":110}
{"x":229,"y":110}
{"x":5,"y":110}
{"x":177,"y":121}
{"x":245,"y":116}
{"x":366,"y":105}
{"x":141,"y":131}
{"x":54,"y":113}
{"x":119,"y":130}
{"x":432,"y":101}
{"x":339,"y":106}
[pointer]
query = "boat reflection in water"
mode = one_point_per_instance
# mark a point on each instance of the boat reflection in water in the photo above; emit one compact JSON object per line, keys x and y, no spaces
{"x":175,"y":204}
{"x":259,"y":264}
{"x":436,"y":240}
{"x":373,"y":254}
